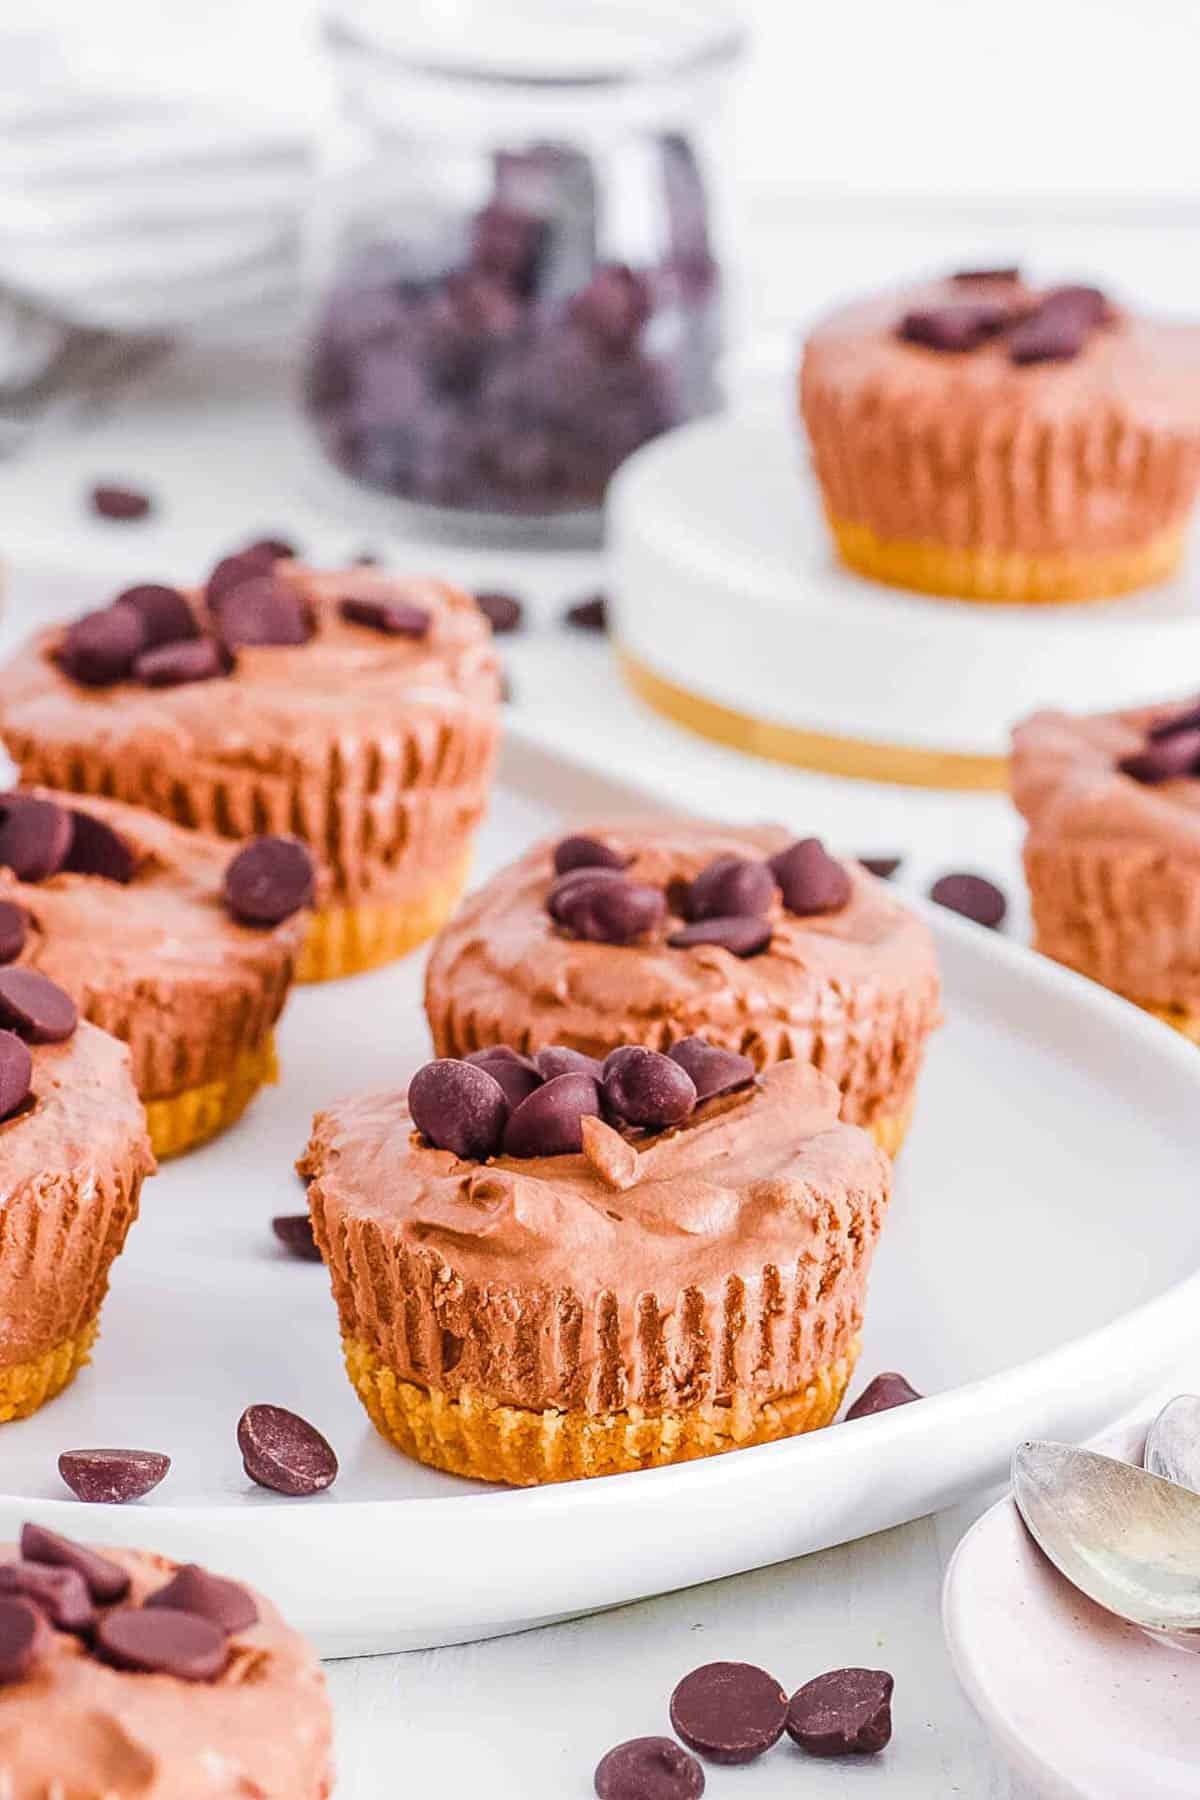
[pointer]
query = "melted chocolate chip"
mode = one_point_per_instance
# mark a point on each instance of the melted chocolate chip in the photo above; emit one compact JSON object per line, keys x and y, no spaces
{"x":233,"y":571}
{"x":395,"y":618}
{"x":605,"y":907}
{"x":96,"y":849}
{"x":954,"y":328}
{"x":99,"y":649}
{"x":810,"y":880}
{"x":112,"y":1477}
{"x":973,"y":897}
{"x":107,"y":1582}
{"x":173,"y":665}
{"x":846,"y":1712}
{"x":458,"y":1106}
{"x":192,"y":1589}
{"x":35,"y":836}
{"x":649,"y":1768}
{"x":268,"y":880}
{"x":582,"y":852}
{"x":503,"y":612}
{"x":887,"y":1390}
{"x":62,"y":1594}
{"x":282,"y":1451}
{"x":516,"y":1075}
{"x":295,"y":1233}
{"x":548,"y":1122}
{"x":165,"y":614}
{"x":162,"y":1641}
{"x":36,"y":1008}
{"x":730,"y":1712}
{"x":263,"y":612}
{"x":643,"y":1087}
{"x":14,"y":925}
{"x":111,"y":502}
{"x":24,"y":1639}
{"x":16,"y":1074}
{"x":1167,"y":757}
{"x":741,"y":936}
{"x":560,"y":1059}
{"x":713,"y":1071}
{"x":588,"y":615}
{"x":730,"y":887}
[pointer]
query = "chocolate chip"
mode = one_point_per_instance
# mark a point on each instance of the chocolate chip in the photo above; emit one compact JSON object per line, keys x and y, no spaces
{"x":604,"y":907}
{"x":161,"y":1641}
{"x":810,"y":879}
{"x":99,"y":649}
{"x":96,"y":849}
{"x":24,"y":1638}
{"x":972,"y":896}
{"x":119,"y":502}
{"x":953,"y":329}
{"x":1009,"y":274}
{"x":1087,"y":305}
{"x":295,"y":1233}
{"x":882,"y":866}
{"x":282,"y":1451}
{"x":14,"y":924}
{"x":367,"y":559}
{"x":35,"y":836}
{"x":458,"y":1106}
{"x":192,"y":1589}
{"x":740,"y":936}
{"x":1167,"y":757}
{"x":730,"y":887}
{"x":395,"y":618}
{"x":173,"y":665}
{"x":560,"y":1059}
{"x":62,"y":1594}
{"x":588,"y":615}
{"x":516,"y":1075}
{"x":1048,"y":335}
{"x":265,"y":612}
{"x":713,"y":1070}
{"x":16,"y":1074}
{"x":233,"y":571}
{"x":36,"y":1008}
{"x":111,"y":1477}
{"x":887,"y":1390}
{"x":649,"y":1768}
{"x":847,"y":1712}
{"x":729,"y":1711}
{"x":547,"y":1124}
{"x":644,"y":1087}
{"x":1176,"y":721}
{"x":165,"y":614}
{"x":268,"y":880}
{"x":503,"y":612}
{"x":107,"y":1581}
{"x":582,"y":852}
{"x":279,"y":549}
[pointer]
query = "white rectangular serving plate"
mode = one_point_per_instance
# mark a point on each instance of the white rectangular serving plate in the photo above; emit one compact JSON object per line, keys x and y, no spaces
{"x":1036,"y":1276}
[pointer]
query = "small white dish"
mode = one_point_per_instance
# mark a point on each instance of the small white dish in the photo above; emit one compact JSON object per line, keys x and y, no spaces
{"x":1084,"y":1706}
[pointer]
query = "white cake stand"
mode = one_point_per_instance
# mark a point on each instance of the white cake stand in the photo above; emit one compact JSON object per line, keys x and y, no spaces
{"x":733,"y":618}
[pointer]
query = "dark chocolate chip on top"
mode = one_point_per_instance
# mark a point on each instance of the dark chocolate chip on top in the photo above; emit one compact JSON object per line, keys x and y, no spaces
{"x":269,"y":879}
{"x":35,"y":1007}
{"x":107,"y":1581}
{"x":161,"y":1641}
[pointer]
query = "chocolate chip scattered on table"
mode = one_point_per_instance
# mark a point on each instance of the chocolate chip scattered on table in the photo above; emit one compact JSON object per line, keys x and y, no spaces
{"x":282,"y":1451}
{"x":973,"y":896}
{"x":112,"y":1477}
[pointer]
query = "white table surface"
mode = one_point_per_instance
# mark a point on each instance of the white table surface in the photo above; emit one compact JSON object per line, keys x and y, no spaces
{"x":527,"y":1717}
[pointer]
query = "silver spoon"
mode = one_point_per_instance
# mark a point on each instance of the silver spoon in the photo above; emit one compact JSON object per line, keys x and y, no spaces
{"x":1128,"y":1540}
{"x":1173,"y":1442}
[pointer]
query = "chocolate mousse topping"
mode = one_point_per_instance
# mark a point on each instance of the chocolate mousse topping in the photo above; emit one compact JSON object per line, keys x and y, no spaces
{"x":1052,"y":325}
{"x":726,"y":903}
{"x":498,"y":1102}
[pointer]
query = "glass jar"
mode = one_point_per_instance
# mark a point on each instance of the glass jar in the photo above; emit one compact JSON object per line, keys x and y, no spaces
{"x":519,"y":280}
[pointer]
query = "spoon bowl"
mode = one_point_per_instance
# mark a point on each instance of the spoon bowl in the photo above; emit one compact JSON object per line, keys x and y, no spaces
{"x":1173,"y":1442}
{"x":1127,"y":1539}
